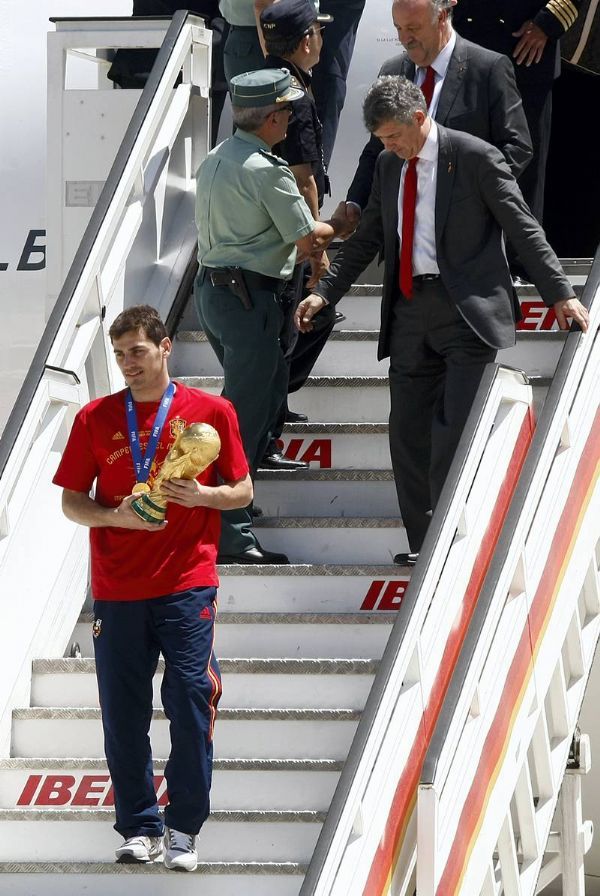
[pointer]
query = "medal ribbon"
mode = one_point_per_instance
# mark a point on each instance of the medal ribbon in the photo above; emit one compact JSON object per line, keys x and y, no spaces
{"x":143,"y":465}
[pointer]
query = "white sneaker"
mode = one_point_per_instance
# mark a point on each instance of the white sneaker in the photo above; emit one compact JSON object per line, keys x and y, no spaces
{"x":180,"y":851}
{"x":140,"y":849}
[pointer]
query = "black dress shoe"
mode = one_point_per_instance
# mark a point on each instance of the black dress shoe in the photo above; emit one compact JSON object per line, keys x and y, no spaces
{"x":293,"y":417}
{"x":256,"y":511}
{"x":256,"y":555}
{"x":278,"y":461}
{"x":339,"y":317}
{"x":406,"y":559}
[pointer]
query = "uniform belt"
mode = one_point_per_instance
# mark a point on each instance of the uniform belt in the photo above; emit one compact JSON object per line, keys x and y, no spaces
{"x":425,"y":278}
{"x":254,"y":280}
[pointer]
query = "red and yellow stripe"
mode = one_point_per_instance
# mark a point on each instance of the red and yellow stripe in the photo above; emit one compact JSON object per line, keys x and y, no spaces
{"x":521,"y":670}
{"x":404,"y":801}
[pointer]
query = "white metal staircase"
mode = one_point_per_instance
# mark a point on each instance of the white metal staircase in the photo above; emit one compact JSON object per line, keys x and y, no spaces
{"x":301,"y":645}
{"x":299,"y":648}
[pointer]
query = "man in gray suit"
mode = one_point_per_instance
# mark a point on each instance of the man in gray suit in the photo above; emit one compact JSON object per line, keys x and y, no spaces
{"x":450,"y":304}
{"x":474,"y":88}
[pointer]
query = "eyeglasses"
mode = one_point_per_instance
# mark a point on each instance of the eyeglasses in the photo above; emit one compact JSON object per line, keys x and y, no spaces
{"x":315,"y":29}
{"x":287,"y":108}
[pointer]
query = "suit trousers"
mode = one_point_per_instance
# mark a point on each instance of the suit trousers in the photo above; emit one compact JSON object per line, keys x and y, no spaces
{"x":436,"y":363}
{"x":256,"y":376}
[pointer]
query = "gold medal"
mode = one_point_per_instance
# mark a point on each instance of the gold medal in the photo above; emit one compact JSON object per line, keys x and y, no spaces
{"x":140,"y":488}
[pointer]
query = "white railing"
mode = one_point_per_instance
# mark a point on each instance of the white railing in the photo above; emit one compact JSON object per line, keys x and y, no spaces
{"x":370,"y":835}
{"x":492,"y":777}
{"x":138,"y":242}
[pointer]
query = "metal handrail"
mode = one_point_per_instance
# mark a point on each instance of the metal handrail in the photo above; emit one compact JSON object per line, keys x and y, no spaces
{"x":37,"y":367}
{"x":398,"y":633}
{"x":527,"y":474}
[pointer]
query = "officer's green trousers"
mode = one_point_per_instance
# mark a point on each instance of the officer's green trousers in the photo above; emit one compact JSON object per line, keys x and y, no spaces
{"x":247,"y":345}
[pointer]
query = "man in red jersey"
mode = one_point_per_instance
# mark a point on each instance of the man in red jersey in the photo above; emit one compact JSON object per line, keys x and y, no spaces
{"x":153,"y":584}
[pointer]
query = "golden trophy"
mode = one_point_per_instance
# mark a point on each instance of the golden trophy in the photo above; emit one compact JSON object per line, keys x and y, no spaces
{"x":194,"y":449}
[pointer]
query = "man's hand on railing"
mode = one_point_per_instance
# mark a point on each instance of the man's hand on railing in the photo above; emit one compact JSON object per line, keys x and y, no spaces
{"x":573,"y":309}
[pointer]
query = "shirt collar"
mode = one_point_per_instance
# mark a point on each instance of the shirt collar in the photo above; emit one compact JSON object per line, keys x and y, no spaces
{"x":429,"y":150}
{"x":247,"y":137}
{"x":442,"y":60}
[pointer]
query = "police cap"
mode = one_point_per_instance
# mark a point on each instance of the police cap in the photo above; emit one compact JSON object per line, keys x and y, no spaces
{"x":263,"y":88}
{"x":291,"y":18}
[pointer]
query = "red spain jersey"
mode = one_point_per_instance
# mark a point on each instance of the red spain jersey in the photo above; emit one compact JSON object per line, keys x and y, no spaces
{"x":133,"y":565}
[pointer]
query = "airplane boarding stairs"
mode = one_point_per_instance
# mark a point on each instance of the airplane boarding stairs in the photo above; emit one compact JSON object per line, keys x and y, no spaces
{"x":307,"y":650}
{"x":299,"y":645}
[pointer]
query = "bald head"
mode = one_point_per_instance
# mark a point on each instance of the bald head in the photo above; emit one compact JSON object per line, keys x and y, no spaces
{"x":424,"y":27}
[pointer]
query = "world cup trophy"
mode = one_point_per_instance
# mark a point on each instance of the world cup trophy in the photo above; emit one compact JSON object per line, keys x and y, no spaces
{"x":194,"y":449}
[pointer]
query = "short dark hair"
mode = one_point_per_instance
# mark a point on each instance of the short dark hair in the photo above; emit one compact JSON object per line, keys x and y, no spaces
{"x":283,"y":46}
{"x":139,"y":317}
{"x":392,"y":98}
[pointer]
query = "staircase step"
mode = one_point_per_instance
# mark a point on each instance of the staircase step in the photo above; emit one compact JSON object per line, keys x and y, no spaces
{"x":80,"y":835}
{"x":247,"y":784}
{"x":247,"y":683}
{"x":339,"y":399}
{"x":360,"y":399}
{"x":239,"y":733}
{"x":334,"y":539}
{"x":353,"y":352}
{"x":360,"y":635}
{"x":341,"y":446}
{"x":348,"y":493}
{"x":108,"y":879}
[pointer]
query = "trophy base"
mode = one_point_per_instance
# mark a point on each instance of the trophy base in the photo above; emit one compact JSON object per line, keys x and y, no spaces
{"x":147,"y":510}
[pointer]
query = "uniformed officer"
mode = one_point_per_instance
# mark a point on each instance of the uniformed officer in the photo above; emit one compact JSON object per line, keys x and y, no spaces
{"x":252,"y":221}
{"x":528,"y":31}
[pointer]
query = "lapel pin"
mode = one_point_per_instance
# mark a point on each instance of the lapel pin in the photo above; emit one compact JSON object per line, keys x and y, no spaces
{"x":449,"y":167}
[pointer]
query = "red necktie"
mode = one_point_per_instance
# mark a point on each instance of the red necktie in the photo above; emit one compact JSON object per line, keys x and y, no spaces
{"x":428,"y":85}
{"x":409,"y":202}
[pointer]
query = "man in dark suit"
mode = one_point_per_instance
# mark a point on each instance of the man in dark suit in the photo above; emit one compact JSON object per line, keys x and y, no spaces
{"x":450,"y":304}
{"x":474,"y":88}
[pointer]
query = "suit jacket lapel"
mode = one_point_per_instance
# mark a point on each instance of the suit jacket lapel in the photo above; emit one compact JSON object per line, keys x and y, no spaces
{"x":445,"y":179}
{"x":408,"y":68}
{"x":457,"y":70}
{"x":391,"y":185}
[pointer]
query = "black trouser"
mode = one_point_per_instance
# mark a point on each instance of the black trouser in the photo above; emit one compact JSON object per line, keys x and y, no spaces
{"x":301,"y":350}
{"x":537,"y":106}
{"x":436,"y":364}
{"x":330,"y":73}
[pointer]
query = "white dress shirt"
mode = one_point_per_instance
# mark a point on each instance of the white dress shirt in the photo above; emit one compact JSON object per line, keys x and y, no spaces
{"x":424,"y":251}
{"x":440,"y":67}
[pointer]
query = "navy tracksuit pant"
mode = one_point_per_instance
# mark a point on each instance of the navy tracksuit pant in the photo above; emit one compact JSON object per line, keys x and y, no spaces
{"x":128,"y":638}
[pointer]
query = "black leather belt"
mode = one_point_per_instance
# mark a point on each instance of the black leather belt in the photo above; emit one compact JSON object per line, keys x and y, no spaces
{"x":425,"y":278}
{"x":254,"y":280}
